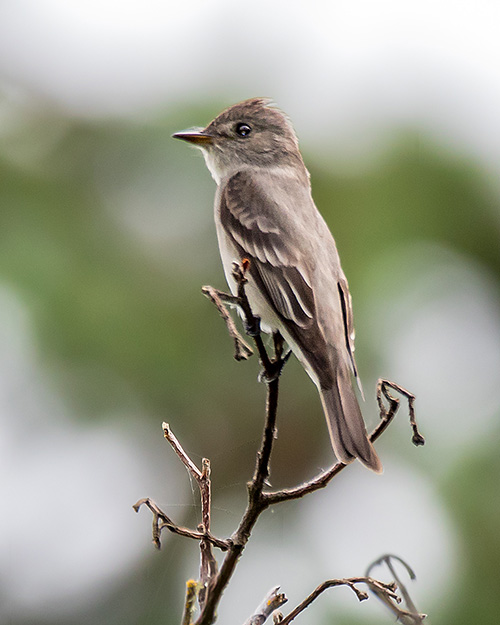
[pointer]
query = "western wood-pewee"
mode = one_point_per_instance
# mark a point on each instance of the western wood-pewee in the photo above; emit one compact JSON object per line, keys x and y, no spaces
{"x":264,"y":212}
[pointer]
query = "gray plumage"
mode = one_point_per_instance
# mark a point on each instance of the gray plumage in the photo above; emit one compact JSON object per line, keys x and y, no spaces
{"x":264,"y":211}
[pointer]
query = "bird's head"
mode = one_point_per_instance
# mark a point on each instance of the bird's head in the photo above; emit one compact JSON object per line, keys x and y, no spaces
{"x":252,"y":133}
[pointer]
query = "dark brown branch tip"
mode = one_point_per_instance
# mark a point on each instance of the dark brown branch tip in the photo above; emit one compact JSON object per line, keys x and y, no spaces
{"x":157,"y":516}
{"x":137,"y":506}
{"x":383,"y":387}
{"x":360,"y":594}
{"x":418,"y":440}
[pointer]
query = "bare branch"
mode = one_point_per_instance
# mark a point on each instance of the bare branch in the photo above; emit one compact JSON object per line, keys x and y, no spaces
{"x":386,"y":416}
{"x":411,"y":616}
{"x":162,"y":521}
{"x":272,"y":601}
{"x":212,"y":581}
{"x":383,"y":387}
{"x":272,"y":369}
{"x":208,"y":563}
{"x":176,"y":446}
{"x":242,"y":351}
{"x":254,"y":508}
{"x":388,"y":590}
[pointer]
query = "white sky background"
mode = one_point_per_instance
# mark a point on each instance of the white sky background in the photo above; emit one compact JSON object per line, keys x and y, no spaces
{"x":346,"y":72}
{"x":430,"y":64}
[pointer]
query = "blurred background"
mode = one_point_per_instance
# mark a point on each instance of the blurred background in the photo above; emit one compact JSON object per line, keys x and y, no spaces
{"x":107,"y":235}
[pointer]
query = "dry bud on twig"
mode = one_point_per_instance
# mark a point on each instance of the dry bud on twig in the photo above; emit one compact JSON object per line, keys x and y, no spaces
{"x":271,"y":602}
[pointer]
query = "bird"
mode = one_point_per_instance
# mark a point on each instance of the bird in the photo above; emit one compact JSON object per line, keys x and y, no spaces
{"x":265,"y":214}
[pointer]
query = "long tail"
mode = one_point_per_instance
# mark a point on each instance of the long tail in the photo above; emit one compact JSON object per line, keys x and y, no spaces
{"x":346,"y":425}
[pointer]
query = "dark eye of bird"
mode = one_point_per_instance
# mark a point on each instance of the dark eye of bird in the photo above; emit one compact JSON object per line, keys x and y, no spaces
{"x":243,"y":129}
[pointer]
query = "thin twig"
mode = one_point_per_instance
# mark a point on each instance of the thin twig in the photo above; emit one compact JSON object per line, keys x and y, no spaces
{"x":411,"y":616}
{"x":258,"y":499}
{"x":387,"y":589}
{"x":213,"y":582}
{"x":177,"y":447}
{"x":271,"y":602}
{"x":254,"y":508}
{"x":386,"y":416}
{"x":162,"y":521}
{"x":208,"y":563}
{"x":256,"y":503}
{"x":384,"y":386}
{"x":221,"y":544}
{"x":242,"y":351}
{"x":192,"y":587}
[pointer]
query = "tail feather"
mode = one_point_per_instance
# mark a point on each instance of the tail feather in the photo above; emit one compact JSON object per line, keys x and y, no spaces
{"x":346,"y":425}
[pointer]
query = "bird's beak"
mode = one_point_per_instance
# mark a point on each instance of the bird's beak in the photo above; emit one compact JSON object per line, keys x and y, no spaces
{"x":196,"y":136}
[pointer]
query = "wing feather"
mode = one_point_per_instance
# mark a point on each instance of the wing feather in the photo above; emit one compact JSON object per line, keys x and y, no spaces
{"x":346,"y":307}
{"x":256,"y":224}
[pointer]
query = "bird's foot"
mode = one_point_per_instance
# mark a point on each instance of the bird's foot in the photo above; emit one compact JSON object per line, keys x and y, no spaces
{"x":274,"y":369}
{"x":252,"y":327}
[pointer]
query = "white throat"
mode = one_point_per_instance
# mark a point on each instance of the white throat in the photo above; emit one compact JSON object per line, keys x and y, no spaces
{"x":213,"y":166}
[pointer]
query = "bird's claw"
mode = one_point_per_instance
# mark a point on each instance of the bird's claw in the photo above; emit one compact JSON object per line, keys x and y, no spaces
{"x":252,"y":328}
{"x":276,"y":368}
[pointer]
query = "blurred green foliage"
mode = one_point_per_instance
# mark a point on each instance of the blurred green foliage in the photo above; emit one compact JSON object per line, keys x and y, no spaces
{"x":120,"y":320}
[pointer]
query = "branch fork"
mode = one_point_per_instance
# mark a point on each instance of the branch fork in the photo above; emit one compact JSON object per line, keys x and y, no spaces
{"x":213,"y":580}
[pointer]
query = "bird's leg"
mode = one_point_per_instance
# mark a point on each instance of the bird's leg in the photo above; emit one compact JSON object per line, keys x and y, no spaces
{"x":272,"y":367}
{"x":275,"y":366}
{"x":252,"y":325}
{"x":280,"y":359}
{"x":279,"y":343}
{"x":250,"y":321}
